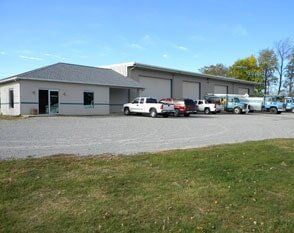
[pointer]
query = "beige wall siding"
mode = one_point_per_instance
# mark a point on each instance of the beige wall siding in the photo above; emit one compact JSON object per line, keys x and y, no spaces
{"x":118,"y":97}
{"x":71,"y":97}
{"x":4,"y":96}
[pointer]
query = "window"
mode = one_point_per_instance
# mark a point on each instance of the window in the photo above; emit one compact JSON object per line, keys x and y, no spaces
{"x":142,"y":101}
{"x":135,"y":101}
{"x":200,"y":102}
{"x":11,"y":98}
{"x":89,"y":99}
{"x":151,"y":101}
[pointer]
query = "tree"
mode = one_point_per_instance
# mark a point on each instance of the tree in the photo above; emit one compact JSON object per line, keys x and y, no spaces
{"x":217,"y":69}
{"x":267,"y":61}
{"x":283,"y":50}
{"x":289,"y":74}
{"x":246,"y":69}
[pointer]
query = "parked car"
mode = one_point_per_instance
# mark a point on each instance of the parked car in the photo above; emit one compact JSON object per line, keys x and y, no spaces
{"x":148,"y":105}
{"x":182,"y":106}
{"x":207,"y":108}
{"x":229,"y":103}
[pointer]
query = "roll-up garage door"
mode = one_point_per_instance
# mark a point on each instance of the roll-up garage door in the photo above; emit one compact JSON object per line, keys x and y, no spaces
{"x":243,"y":91}
{"x":220,"y":89}
{"x":191,"y":90}
{"x":156,"y":87}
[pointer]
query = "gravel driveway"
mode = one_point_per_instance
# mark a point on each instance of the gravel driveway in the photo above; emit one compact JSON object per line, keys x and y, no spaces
{"x":41,"y":136}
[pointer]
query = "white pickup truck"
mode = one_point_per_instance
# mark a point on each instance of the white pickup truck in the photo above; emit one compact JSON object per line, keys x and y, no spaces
{"x":148,"y":105}
{"x":207,"y":108}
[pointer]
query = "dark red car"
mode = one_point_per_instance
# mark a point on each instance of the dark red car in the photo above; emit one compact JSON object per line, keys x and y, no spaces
{"x":182,"y":106}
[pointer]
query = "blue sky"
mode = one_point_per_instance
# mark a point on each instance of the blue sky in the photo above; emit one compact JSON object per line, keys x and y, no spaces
{"x":183,"y":34}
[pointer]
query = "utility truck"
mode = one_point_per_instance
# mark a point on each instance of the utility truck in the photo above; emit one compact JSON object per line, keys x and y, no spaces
{"x":272,"y":104}
{"x":148,"y":106}
{"x":229,"y":102}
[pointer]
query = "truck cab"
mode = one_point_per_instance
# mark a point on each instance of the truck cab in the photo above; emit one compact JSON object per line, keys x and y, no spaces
{"x":274,"y":104}
{"x":289,"y":101}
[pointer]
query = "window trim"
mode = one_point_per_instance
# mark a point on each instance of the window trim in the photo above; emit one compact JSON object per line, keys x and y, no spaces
{"x":89,"y":105}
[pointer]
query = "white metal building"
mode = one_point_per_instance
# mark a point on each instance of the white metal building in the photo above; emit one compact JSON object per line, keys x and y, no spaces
{"x":160,"y":82}
{"x":68,"y":89}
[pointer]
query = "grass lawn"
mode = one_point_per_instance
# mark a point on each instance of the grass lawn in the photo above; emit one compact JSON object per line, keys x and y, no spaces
{"x":232,"y":188}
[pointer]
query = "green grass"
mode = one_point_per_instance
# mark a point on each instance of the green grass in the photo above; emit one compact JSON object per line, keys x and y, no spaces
{"x":4,"y":117}
{"x":232,"y":188}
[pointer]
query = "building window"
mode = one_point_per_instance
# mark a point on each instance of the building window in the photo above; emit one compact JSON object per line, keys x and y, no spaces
{"x":89,"y":99}
{"x":11,"y":98}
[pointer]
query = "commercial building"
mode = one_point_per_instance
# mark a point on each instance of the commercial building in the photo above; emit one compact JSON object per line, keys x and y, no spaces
{"x":68,"y":89}
{"x":160,"y":82}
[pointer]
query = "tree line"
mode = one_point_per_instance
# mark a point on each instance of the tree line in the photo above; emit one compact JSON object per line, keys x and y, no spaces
{"x":273,"y":68}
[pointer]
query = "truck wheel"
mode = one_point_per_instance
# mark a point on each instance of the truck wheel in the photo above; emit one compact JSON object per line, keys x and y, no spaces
{"x":165,"y":115}
{"x":177,"y":113}
{"x":237,"y":110}
{"x":153,"y":113}
{"x":273,"y":110}
{"x":207,"y":111}
{"x":127,"y":111}
{"x":187,"y":114}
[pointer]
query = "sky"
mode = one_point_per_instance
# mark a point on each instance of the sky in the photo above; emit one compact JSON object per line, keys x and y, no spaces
{"x":183,"y":34}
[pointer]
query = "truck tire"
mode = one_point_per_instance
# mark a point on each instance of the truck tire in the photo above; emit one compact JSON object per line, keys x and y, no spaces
{"x":127,"y":111}
{"x":177,"y":113}
{"x":207,"y":111}
{"x":165,"y":115}
{"x":186,"y":114}
{"x":273,"y":110}
{"x":237,"y":110}
{"x":153,"y":112}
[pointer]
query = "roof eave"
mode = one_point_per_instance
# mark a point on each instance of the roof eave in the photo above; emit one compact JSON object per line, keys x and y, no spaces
{"x":144,"y":66}
{"x":98,"y":84}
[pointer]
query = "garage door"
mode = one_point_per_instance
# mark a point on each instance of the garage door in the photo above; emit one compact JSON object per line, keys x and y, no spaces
{"x":220,"y":89}
{"x":191,"y":90}
{"x":156,"y":87}
{"x":243,"y":91}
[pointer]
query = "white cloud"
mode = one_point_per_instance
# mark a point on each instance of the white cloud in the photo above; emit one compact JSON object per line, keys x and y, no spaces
{"x":2,"y":53}
{"x":136,"y":46}
{"x":165,"y":56}
{"x":180,"y":47}
{"x":30,"y":58}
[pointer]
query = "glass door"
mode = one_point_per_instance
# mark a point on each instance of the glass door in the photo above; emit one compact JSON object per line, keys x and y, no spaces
{"x":53,"y":102}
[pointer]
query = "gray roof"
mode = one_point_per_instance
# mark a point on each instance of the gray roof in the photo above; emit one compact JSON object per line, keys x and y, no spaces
{"x":71,"y":73}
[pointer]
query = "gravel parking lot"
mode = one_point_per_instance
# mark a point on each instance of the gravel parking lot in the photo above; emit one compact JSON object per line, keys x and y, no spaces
{"x":41,"y":136}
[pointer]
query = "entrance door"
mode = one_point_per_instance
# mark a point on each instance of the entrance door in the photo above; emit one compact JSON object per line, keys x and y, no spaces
{"x":48,"y":102}
{"x":54,"y":102}
{"x":43,"y":102}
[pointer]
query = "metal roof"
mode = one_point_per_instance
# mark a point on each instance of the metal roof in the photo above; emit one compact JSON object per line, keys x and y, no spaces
{"x":176,"y":71}
{"x":71,"y":73}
